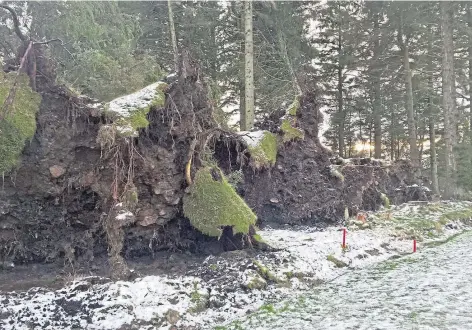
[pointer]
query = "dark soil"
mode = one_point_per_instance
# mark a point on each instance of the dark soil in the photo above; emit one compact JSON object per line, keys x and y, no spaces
{"x":56,"y":206}
{"x":302,"y":189}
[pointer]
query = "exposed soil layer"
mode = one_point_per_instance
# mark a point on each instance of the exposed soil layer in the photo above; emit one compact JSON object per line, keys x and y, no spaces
{"x":54,"y":205}
{"x":58,"y":203}
{"x":309,"y":185}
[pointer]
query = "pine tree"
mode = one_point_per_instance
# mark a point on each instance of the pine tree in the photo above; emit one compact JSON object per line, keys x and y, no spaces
{"x":449,"y":107}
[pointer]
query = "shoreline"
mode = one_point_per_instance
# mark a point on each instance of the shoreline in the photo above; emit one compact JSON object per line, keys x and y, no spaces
{"x":233,"y":284}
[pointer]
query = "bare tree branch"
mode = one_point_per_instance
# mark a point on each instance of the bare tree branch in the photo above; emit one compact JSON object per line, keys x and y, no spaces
{"x":53,"y":40}
{"x":16,"y":22}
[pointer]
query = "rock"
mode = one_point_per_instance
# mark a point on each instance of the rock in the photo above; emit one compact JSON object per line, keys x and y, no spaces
{"x":373,"y":252}
{"x":451,"y":226}
{"x":147,"y":221}
{"x":57,"y":171}
{"x":87,"y":180}
{"x":81,"y":286}
{"x":274,"y":200}
{"x":356,"y":223}
{"x":173,"y":300}
{"x":125,"y":218}
{"x":7,"y":265}
{"x":175,"y":201}
{"x":172,"y":316}
{"x":254,"y":281}
{"x":147,"y":217}
{"x":217,"y":301}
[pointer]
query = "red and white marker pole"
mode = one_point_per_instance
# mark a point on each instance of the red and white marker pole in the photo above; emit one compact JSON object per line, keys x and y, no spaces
{"x":414,"y":245}
{"x":344,"y":238}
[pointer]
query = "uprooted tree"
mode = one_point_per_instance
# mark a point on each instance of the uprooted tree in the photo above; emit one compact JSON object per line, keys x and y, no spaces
{"x":142,"y":172}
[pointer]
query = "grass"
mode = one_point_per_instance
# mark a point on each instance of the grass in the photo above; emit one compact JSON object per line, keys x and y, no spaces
{"x":265,"y":272}
{"x":425,"y":221}
{"x":441,"y":242}
{"x":338,"y":263}
{"x":199,"y":301}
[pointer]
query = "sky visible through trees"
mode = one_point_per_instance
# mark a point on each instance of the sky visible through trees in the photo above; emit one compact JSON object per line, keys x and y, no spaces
{"x":394,"y":77}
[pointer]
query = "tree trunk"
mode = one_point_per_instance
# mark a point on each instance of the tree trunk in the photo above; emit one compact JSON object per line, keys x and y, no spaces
{"x":469,"y":24}
{"x":340,"y":97}
{"x":173,"y":36}
{"x":248,"y":114}
{"x":409,"y":97}
{"x":392,"y":134}
{"x":371,"y":125}
{"x":242,"y":117}
{"x":431,"y":117}
{"x":449,"y":106}
{"x":410,"y":110}
{"x":377,"y":101}
{"x":433,"y":157}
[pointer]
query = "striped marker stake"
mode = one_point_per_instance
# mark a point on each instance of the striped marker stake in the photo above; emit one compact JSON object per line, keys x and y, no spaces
{"x":414,"y":245}
{"x":344,"y":238}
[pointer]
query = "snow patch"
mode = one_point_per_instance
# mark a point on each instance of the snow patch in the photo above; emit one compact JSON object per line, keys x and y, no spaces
{"x":221,"y":288}
{"x":253,"y":139}
{"x":125,"y":105}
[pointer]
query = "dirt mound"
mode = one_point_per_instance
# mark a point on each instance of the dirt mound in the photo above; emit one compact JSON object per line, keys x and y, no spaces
{"x":309,"y":185}
{"x":81,"y":191}
{"x":47,"y":207}
{"x":55,"y":204}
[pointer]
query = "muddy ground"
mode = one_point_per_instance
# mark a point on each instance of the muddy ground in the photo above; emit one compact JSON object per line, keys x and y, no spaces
{"x":55,"y":207}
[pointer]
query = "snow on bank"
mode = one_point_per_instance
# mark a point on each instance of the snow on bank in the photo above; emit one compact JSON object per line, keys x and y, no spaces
{"x":230,"y":285}
{"x":144,"y":98}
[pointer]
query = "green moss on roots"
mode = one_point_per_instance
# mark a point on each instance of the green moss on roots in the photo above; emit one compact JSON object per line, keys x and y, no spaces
{"x":19,"y":125}
{"x":264,"y":152}
{"x":385,"y":200}
{"x":291,"y":133}
{"x":213,"y":203}
{"x":293,"y":108}
{"x":130,"y":111}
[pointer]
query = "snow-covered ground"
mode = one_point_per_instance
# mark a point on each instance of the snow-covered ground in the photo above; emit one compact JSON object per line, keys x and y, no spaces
{"x":228,"y":286}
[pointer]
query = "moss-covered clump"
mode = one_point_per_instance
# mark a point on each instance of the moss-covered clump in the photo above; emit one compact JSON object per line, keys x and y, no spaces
{"x":19,"y":125}
{"x":130,"y":111}
{"x":385,"y":200}
{"x":265,"y":272}
{"x":338,"y":263}
{"x":256,"y":283}
{"x":291,"y":133}
{"x":213,"y":203}
{"x":263,"y":151}
{"x":293,"y":108}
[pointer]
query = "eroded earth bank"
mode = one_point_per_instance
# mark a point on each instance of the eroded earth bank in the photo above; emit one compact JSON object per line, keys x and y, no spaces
{"x":152,"y":184}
